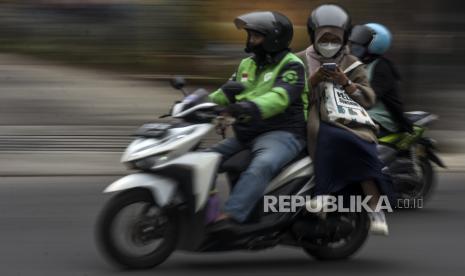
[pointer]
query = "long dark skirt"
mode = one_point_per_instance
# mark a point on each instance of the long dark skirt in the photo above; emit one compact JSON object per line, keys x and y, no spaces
{"x":342,"y":158}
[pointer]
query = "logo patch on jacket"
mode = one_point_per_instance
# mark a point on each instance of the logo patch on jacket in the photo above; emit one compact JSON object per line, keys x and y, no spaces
{"x":268,"y":76}
{"x":290,"y":76}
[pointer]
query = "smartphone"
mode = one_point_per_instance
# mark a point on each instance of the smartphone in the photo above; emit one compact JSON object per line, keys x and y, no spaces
{"x":329,"y":66}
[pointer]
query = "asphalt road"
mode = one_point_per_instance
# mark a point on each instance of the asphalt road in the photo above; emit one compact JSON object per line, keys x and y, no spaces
{"x":46,"y":228}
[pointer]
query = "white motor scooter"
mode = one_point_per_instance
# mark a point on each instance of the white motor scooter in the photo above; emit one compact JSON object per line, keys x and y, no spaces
{"x":162,"y":207}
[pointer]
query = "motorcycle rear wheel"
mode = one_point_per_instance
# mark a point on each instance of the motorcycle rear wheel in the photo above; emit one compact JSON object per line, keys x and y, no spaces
{"x":421,"y":193}
{"x":343,"y":247}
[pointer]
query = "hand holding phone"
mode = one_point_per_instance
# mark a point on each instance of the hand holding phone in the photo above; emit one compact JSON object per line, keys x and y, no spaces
{"x":329,"y":66}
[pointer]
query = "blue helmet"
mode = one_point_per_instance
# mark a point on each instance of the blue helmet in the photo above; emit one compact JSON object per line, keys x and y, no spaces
{"x":381,"y":41}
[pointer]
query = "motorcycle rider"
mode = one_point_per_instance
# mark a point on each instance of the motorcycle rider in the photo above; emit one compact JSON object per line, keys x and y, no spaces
{"x":268,"y":97}
{"x":342,"y":153}
{"x":369,"y":43}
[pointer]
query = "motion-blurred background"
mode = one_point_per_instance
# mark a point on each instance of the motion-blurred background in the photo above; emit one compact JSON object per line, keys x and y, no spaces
{"x":78,"y":77}
{"x":97,"y":68}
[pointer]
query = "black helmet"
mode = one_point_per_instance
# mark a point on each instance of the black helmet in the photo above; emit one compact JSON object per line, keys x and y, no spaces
{"x":329,"y":16}
{"x":361,"y":35}
{"x":276,"y":28}
{"x":360,"y":38}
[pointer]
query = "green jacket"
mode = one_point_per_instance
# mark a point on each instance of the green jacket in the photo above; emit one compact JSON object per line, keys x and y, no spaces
{"x":276,"y":91}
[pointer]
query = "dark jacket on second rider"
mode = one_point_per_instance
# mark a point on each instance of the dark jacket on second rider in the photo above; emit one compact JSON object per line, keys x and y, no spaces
{"x":385,"y":82}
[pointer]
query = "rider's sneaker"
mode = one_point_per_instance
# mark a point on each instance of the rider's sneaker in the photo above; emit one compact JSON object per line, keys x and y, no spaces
{"x":378,"y":224}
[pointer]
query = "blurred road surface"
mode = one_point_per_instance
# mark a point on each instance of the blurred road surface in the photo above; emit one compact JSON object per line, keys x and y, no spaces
{"x":46,"y":228}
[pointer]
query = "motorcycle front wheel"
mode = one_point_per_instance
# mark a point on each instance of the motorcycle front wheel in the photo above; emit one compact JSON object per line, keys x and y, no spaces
{"x":133,"y":232}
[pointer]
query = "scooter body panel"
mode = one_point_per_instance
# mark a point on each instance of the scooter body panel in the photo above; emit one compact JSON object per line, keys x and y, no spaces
{"x":162,"y":188}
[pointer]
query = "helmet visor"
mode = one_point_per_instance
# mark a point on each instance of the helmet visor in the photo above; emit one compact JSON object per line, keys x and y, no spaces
{"x":331,"y":16}
{"x":261,"y":22}
{"x":358,"y":50}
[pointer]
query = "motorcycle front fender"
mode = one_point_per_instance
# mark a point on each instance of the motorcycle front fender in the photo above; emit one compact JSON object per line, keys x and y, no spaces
{"x":163,"y":189}
{"x":430,"y":146}
{"x":433,"y":157}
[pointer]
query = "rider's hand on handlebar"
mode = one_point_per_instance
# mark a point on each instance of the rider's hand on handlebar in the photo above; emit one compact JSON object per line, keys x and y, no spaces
{"x":231,"y":89}
{"x":244,"y":112}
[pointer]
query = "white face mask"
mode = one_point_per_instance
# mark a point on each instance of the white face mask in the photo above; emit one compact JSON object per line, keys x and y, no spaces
{"x":328,"y":49}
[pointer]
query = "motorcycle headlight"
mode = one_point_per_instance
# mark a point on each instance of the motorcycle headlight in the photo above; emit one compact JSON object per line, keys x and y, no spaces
{"x":149,"y":162}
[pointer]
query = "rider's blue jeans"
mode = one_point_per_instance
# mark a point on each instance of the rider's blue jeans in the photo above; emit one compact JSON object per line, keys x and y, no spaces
{"x":271,"y":151}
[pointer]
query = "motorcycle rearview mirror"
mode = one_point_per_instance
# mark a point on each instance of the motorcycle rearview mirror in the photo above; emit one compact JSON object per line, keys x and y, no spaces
{"x":178,"y":82}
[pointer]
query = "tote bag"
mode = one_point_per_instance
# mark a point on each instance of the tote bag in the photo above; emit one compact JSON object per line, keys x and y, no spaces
{"x":341,"y":108}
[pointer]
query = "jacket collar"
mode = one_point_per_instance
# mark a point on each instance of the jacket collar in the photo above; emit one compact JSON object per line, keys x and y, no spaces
{"x":270,"y":58}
